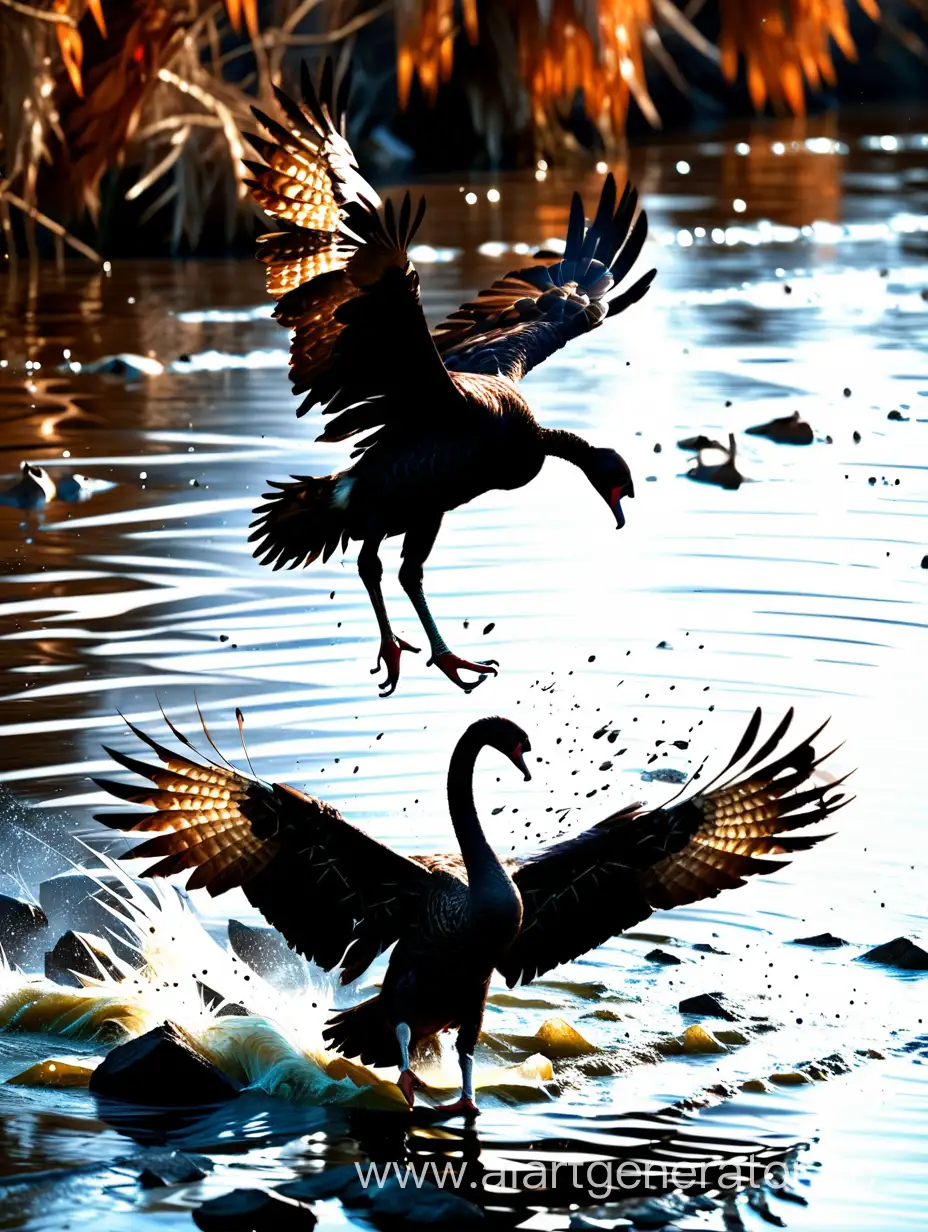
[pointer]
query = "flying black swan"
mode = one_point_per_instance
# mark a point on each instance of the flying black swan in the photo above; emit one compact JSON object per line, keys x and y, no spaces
{"x":341,"y":898}
{"x":445,"y":419}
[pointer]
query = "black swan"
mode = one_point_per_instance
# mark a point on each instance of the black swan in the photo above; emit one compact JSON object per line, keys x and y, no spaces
{"x":445,"y":419}
{"x":341,"y":898}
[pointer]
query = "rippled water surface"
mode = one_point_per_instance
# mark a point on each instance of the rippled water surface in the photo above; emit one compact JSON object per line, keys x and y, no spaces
{"x":792,"y":276}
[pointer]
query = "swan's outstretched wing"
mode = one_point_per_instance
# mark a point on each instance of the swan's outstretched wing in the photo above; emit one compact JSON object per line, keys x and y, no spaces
{"x":612,"y":876}
{"x":531,"y":313}
{"x":342,"y":276}
{"x":335,"y":894}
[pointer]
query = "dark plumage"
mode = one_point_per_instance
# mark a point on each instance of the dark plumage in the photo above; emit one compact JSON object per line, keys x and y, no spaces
{"x":341,"y":898}
{"x":443,"y":417}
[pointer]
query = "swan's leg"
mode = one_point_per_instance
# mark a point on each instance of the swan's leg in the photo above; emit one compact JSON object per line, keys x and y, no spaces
{"x":370,"y":570}
{"x":416,"y":547}
{"x":409,"y":1082}
{"x":467,"y":1042}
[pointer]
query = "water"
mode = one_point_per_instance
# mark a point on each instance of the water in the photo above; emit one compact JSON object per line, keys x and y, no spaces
{"x":802,"y":588}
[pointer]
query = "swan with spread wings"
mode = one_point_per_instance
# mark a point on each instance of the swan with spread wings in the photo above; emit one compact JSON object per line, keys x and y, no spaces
{"x":442,"y":412}
{"x":341,"y":898}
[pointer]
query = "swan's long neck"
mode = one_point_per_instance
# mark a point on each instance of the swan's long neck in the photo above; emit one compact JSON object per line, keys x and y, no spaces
{"x":559,"y":443}
{"x":479,"y":858}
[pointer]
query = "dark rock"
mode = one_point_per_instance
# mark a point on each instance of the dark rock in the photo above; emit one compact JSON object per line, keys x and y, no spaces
{"x":266,"y":952}
{"x":704,"y":947}
{"x":788,"y":430}
{"x":252,"y":1210}
{"x":77,"y":954}
{"x":825,"y":940}
{"x":710,"y":1005}
{"x":925,"y":562}
{"x":161,"y":1069}
{"x":661,"y":956}
{"x":897,"y":417}
{"x":425,"y":1203}
{"x":340,"y":1182}
{"x":76,"y":900}
{"x":164,"y":1167}
{"x":21,"y":928}
{"x":901,"y":953}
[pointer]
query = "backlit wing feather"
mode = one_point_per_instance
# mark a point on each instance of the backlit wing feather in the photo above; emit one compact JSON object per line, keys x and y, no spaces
{"x":531,"y":313}
{"x":342,"y":277}
{"x":593,"y":886}
{"x":335,"y":894}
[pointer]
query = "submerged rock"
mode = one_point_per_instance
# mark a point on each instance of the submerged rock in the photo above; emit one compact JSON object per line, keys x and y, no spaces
{"x":425,"y":1203}
{"x":78,"y":954}
{"x":162,"y":1069}
{"x":252,"y":1210}
{"x":901,"y":953}
{"x":126,"y":364}
{"x":825,"y":940}
{"x":266,"y":952}
{"x":710,"y":1005}
{"x":22,"y":926}
{"x":164,"y":1167}
{"x":788,"y":430}
{"x":661,"y":956}
{"x":555,"y":1039}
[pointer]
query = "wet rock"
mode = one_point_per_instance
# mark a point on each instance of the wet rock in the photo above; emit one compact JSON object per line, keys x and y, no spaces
{"x":901,"y":953}
{"x":654,"y":1212}
{"x":696,"y":444}
{"x":925,"y":562}
{"x":661,"y":956}
{"x":34,"y":488}
{"x":62,"y":1075}
{"x":555,"y":1039}
{"x":222,"y":1008}
{"x":87,"y":903}
{"x":340,"y":1182}
{"x":787,"y":430}
{"x":23,"y":927}
{"x":425,"y":1203}
{"x":160,"y":1168}
{"x":793,"y":1078}
{"x":77,"y":954}
{"x":897,"y":417}
{"x":266,"y":952}
{"x":703,"y":947}
{"x":252,"y":1210}
{"x":825,"y":940}
{"x":127,"y":365}
{"x":162,"y":1069}
{"x":710,"y":1005}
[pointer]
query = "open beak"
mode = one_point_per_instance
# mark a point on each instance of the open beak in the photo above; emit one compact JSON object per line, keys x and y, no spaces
{"x":517,"y":758}
{"x":615,"y":503}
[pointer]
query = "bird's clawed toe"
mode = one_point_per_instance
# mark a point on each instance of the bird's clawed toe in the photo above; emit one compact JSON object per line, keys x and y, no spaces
{"x":451,"y":664}
{"x":409,"y":1083}
{"x":389,"y":656}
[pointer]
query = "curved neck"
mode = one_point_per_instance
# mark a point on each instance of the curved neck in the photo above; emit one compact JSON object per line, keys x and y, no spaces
{"x":477,"y":853}
{"x":559,"y":443}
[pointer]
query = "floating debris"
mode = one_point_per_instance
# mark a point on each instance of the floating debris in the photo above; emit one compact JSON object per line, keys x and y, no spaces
{"x":788,"y":430}
{"x":723,"y":474}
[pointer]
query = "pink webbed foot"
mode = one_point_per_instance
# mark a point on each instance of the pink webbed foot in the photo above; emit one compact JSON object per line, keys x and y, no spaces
{"x":461,"y":1107}
{"x":389,"y":656}
{"x":451,"y":664}
{"x":409,"y":1083}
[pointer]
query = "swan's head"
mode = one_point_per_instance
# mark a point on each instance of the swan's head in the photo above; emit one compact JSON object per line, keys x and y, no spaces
{"x":509,"y":739}
{"x":608,"y":472}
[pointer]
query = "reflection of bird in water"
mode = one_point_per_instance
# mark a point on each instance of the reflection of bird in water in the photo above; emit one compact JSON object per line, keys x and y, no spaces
{"x":33,"y":490}
{"x":722,"y":474}
{"x":341,"y":898}
{"x":445,"y":419}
